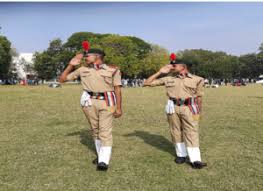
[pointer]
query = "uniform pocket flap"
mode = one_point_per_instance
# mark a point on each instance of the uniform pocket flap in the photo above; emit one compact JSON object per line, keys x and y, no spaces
{"x":85,"y":73}
{"x":106,"y":74}
{"x":107,"y":77}
{"x":170,"y":83}
{"x":190,"y":84}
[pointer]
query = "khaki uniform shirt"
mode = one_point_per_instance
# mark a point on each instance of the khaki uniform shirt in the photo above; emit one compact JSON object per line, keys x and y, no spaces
{"x":97,"y":80}
{"x":178,"y":86}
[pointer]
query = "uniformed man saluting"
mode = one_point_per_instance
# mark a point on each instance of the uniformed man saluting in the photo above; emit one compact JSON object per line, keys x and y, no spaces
{"x":100,"y":101}
{"x":184,"y":91}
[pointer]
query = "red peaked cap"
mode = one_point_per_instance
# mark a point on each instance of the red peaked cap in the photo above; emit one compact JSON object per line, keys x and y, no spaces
{"x":85,"y":45}
{"x":173,"y":56}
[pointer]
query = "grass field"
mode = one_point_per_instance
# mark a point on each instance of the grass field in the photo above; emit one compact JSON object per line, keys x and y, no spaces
{"x":46,"y":145}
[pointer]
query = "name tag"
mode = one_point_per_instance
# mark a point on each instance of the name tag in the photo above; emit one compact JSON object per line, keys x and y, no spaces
{"x":170,"y":83}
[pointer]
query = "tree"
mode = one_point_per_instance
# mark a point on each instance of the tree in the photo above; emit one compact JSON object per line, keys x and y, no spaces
{"x":260,"y":59}
{"x":252,"y":64}
{"x":123,"y":51}
{"x":55,"y":47}
{"x":59,"y":55}
{"x":211,"y":64}
{"x":5,"y":56}
{"x":74,"y":41}
{"x":153,"y":61}
{"x":44,"y":66}
{"x":142,"y":48}
{"x":137,"y":58}
{"x":50,"y":63}
{"x":120,"y":51}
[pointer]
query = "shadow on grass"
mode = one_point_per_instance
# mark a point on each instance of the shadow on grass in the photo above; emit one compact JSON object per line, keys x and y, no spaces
{"x":157,"y":141}
{"x":85,"y":139}
{"x":255,"y":97}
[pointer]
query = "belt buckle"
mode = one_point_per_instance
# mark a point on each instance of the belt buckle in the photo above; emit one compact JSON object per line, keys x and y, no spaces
{"x":181,"y":101}
{"x":178,"y":102}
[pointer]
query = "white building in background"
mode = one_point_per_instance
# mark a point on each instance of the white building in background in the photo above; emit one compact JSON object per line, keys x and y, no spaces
{"x":22,"y":63}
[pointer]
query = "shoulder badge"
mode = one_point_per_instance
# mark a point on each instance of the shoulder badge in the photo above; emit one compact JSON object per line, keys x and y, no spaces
{"x":114,"y":68}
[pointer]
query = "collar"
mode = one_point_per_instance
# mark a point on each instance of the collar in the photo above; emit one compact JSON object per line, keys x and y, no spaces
{"x":189,"y":75}
{"x":97,"y":66}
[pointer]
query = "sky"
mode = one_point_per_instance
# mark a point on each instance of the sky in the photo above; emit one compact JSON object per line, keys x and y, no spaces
{"x":235,"y":28}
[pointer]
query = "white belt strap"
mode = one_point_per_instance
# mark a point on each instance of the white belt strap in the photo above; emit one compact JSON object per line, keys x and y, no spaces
{"x":85,"y":99}
{"x":169,"y":108}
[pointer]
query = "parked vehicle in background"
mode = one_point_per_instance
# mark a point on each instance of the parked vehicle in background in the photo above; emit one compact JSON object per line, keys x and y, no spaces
{"x":54,"y":85}
{"x":260,"y":80}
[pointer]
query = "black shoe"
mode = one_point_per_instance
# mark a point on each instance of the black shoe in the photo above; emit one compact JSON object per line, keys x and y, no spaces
{"x":95,"y":161}
{"x":102,"y":166}
{"x":198,"y":165}
{"x":180,"y":160}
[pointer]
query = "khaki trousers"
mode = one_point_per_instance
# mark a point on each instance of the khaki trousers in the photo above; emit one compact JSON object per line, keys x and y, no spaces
{"x":184,"y":126}
{"x":100,"y":117}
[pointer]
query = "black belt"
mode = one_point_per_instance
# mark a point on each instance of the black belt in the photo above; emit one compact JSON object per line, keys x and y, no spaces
{"x":181,"y":101}
{"x":97,"y":94}
{"x":109,"y":97}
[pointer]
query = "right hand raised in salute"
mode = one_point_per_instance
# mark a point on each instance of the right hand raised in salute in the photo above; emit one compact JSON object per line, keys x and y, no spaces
{"x":166,"y":69}
{"x":76,"y":60}
{"x":73,"y":62}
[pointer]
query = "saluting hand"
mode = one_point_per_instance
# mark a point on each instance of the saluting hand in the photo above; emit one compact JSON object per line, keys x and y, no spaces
{"x":76,"y":60}
{"x":166,"y":69}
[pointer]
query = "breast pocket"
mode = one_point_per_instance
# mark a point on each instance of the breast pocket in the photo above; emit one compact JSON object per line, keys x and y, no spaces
{"x":107,"y":76}
{"x":190,"y":85}
{"x":170,"y":83}
{"x":85,"y":74}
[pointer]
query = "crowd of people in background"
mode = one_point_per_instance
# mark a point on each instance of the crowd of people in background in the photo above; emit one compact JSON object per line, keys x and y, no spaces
{"x":131,"y":83}
{"x":233,"y":82}
{"x":20,"y":82}
{"x":137,"y":82}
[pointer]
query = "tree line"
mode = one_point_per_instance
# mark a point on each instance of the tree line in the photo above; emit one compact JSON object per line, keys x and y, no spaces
{"x":135,"y":57}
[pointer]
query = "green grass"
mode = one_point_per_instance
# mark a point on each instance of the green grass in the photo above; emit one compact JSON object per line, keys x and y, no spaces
{"x":46,"y":145}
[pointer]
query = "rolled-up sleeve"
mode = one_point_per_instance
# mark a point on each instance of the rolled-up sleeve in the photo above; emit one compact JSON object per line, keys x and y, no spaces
{"x":117,"y":78}
{"x":158,"y":82}
{"x":200,"y":88}
{"x":73,"y":75}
